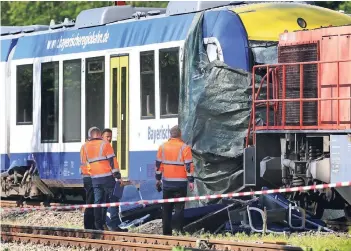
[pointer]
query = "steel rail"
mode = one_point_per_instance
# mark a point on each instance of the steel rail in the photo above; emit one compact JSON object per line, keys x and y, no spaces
{"x":32,"y":204}
{"x":9,"y":203}
{"x":159,"y":242}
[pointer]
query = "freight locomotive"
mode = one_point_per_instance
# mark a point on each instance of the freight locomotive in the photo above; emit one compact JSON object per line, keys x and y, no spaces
{"x":308,"y":117}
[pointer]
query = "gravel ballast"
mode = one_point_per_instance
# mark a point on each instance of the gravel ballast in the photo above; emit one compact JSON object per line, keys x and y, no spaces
{"x":66,"y":219}
{"x":37,"y":247}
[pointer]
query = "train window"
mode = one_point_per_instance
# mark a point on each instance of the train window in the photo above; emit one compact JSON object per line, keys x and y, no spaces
{"x":24,"y":95}
{"x":95,"y":93}
{"x":147,"y":84}
{"x":169,"y":82}
{"x":49,"y":102}
{"x":71,"y":100}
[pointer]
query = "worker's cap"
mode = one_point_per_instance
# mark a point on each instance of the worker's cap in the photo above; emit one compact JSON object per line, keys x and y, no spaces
{"x":175,"y":132}
{"x":91,"y":130}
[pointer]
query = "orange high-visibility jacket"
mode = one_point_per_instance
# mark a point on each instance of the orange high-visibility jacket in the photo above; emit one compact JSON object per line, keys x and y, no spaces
{"x":101,"y":158}
{"x":84,"y":165}
{"x":175,"y":162}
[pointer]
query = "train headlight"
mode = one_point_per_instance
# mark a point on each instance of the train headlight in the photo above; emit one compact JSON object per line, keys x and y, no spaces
{"x":301,"y":22}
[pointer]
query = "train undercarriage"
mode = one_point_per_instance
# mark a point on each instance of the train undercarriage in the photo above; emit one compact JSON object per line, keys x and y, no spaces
{"x":296,"y":159}
{"x":24,"y":183}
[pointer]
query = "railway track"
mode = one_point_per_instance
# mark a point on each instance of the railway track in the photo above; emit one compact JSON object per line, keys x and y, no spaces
{"x":9,"y":203}
{"x":31,"y":204}
{"x":106,"y":240}
{"x":12,"y":203}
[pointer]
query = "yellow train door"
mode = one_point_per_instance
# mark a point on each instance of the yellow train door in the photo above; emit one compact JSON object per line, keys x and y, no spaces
{"x":119,"y":110}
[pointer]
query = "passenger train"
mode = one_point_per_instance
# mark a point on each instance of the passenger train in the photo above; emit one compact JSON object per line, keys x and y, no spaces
{"x":118,"y":67}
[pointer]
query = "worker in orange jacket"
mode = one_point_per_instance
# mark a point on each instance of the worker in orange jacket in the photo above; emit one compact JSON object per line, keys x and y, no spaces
{"x":174,"y":161}
{"x":89,"y":192}
{"x":107,"y":136}
{"x":104,"y":173}
{"x":88,"y":186}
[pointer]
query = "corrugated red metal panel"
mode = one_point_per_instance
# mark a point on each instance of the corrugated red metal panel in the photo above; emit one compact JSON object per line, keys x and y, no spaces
{"x":312,"y":35}
{"x":336,"y":47}
{"x":304,"y":52}
{"x":335,"y":44}
{"x":345,"y":77}
{"x":329,"y":78}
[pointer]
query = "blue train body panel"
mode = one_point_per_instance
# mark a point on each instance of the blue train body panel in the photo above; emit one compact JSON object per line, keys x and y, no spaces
{"x":5,"y":49}
{"x":4,"y":162}
{"x":225,"y":25}
{"x":120,"y":35}
{"x":64,"y":166}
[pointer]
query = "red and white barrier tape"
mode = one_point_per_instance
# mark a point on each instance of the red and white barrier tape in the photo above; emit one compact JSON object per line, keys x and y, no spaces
{"x":184,"y":199}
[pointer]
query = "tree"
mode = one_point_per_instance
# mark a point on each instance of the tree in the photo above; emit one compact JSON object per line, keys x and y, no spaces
{"x":160,"y":4}
{"x":28,"y":13}
{"x":335,"y":5}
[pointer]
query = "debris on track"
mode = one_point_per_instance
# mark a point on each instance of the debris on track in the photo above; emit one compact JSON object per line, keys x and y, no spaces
{"x":151,"y":227}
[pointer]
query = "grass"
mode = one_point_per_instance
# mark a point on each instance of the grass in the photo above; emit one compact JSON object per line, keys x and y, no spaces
{"x":307,"y":241}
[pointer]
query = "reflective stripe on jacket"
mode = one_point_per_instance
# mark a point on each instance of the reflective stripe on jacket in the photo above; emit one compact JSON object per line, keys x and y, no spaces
{"x":175,"y":162}
{"x":99,"y":155}
{"x":84,"y":166}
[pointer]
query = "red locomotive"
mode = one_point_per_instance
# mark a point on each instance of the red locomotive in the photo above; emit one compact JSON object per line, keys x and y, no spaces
{"x":305,"y":138}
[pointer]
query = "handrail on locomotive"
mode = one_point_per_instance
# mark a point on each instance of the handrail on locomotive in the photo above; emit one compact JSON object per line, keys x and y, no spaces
{"x":275,"y":100}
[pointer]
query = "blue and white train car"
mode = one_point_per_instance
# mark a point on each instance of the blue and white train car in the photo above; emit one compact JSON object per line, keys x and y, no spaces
{"x":118,"y":68}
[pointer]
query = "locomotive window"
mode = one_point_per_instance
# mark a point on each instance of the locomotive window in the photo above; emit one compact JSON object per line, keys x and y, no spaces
{"x":24,"y":95}
{"x":71,"y":100}
{"x":49,"y":102}
{"x":169,"y":82}
{"x":94,"y":93}
{"x":264,"y":52}
{"x":147,"y":84}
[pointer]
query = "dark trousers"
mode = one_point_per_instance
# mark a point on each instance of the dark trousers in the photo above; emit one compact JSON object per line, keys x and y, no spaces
{"x":104,"y":194}
{"x":89,"y":199}
{"x":178,"y":219}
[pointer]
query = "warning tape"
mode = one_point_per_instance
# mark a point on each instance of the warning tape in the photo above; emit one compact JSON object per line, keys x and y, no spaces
{"x":185,"y":199}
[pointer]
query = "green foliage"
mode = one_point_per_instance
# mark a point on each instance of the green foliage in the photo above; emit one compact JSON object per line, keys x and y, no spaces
{"x":308,"y":242}
{"x":345,"y":6}
{"x":35,"y":12}
{"x":28,"y":13}
{"x":336,"y":5}
{"x":151,"y":4}
{"x":181,"y":249}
